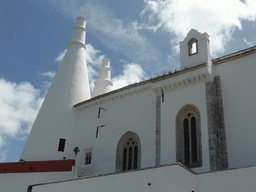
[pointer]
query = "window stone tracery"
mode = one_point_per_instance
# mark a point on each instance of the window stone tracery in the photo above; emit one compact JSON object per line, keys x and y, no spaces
{"x":128,"y":152}
{"x":188,"y":137}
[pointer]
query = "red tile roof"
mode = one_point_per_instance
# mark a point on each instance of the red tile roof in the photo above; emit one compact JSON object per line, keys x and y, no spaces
{"x":37,"y":166}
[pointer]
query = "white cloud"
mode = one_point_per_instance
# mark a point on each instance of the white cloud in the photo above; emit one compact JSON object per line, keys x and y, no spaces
{"x":132,"y":73}
{"x":250,"y":44}
{"x":115,"y":34}
{"x":20,"y":104}
{"x":92,"y":56}
{"x":94,"y":60}
{"x":3,"y":155}
{"x":50,"y":74}
{"x":218,"y":18}
{"x":61,"y":56}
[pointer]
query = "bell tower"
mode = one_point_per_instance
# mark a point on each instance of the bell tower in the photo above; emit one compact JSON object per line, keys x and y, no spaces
{"x":195,"y":50}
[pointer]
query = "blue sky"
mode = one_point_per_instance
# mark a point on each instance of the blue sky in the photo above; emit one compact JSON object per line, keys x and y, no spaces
{"x":141,"y":38}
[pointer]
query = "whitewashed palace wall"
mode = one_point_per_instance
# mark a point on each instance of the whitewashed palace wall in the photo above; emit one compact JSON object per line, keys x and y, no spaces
{"x":173,"y":178}
{"x":126,"y":111}
{"x":18,"y":182}
{"x":238,"y":91}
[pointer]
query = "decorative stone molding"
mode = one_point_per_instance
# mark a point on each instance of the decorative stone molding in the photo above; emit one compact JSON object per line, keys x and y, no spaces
{"x":158,"y":130}
{"x":110,"y":97}
{"x":173,"y":86}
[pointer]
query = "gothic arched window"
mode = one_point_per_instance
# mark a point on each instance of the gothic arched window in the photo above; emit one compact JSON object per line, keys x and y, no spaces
{"x":188,"y":137}
{"x":192,"y":47}
{"x":128,"y":152}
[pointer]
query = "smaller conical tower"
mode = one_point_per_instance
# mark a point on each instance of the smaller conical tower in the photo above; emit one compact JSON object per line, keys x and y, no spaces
{"x":103,"y":83}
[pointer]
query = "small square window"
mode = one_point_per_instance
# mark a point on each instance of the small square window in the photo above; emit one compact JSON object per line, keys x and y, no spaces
{"x":61,"y":145}
{"x":88,"y":158}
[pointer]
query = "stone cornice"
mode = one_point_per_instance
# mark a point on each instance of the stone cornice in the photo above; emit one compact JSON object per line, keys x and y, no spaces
{"x":109,"y":97}
{"x":234,"y":56}
{"x":151,"y":84}
{"x":180,"y":84}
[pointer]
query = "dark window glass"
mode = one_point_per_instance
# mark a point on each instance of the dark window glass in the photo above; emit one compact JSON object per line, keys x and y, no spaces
{"x":194,"y":139}
{"x":61,"y":145}
{"x":88,"y":157}
{"x":86,"y":160}
{"x":186,"y":142}
{"x":124,"y":159}
{"x":135,"y":163}
{"x":130,"y":159}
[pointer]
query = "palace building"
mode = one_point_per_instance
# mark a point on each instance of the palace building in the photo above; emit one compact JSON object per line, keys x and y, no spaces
{"x":191,"y":130}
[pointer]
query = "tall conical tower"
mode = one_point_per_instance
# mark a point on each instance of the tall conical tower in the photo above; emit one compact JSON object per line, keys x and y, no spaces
{"x":103,"y":84}
{"x":54,"y":127}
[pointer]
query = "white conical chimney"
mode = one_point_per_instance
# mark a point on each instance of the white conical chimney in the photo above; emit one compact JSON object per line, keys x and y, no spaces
{"x":56,"y":118}
{"x":103,"y":83}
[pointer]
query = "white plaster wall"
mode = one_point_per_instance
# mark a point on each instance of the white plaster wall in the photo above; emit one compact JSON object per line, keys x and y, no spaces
{"x":173,"y":102}
{"x":134,"y":112}
{"x":12,"y":182}
{"x":167,"y":178}
{"x":226,"y":181}
{"x":238,"y":91}
{"x":171,"y":178}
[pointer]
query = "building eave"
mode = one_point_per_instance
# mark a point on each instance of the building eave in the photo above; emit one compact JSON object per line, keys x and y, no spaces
{"x":216,"y":61}
{"x":233,"y":56}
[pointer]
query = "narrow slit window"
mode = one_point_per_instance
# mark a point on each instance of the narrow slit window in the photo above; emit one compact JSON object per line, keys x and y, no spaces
{"x":186,"y":142}
{"x":124,"y":159}
{"x":194,"y":140}
{"x":130,"y":159}
{"x":61,"y":144}
{"x":135,"y":164}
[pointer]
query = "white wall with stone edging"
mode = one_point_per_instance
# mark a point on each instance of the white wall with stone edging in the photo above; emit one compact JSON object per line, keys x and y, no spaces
{"x":12,"y":182}
{"x":173,"y":102}
{"x":126,"y":111}
{"x":238,"y":92}
{"x":174,"y":178}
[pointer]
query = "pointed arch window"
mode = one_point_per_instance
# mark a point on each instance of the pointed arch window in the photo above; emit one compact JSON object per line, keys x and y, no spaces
{"x":188,"y":137}
{"x":130,"y":155}
{"x":128,"y":152}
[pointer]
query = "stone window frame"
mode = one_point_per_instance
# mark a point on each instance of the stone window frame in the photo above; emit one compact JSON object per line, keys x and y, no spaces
{"x":120,"y":148}
{"x":88,"y":154}
{"x":181,"y":115}
{"x":190,"y":43}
